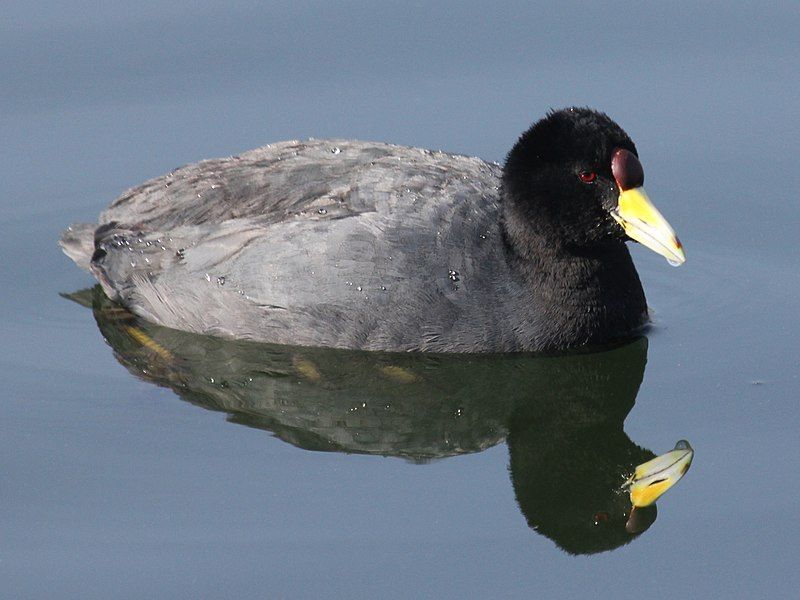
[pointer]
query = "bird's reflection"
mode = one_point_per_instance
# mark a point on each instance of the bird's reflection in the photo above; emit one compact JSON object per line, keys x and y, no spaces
{"x":562,"y":416}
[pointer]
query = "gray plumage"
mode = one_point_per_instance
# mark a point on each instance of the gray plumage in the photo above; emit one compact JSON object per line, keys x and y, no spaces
{"x":323,"y":243}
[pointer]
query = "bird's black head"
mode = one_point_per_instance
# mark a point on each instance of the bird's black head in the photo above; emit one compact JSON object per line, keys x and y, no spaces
{"x":558,"y":181}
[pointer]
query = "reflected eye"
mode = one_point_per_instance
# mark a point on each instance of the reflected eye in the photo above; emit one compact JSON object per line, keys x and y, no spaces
{"x":587,"y":176}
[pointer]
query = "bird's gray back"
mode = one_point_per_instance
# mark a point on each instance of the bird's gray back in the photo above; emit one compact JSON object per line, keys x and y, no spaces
{"x":328,"y":243}
{"x":277,"y":182}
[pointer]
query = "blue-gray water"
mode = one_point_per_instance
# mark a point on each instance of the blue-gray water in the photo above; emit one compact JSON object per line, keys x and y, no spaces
{"x":111,"y":486}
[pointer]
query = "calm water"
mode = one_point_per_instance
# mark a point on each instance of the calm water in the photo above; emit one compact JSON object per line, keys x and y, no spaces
{"x":195,"y":468}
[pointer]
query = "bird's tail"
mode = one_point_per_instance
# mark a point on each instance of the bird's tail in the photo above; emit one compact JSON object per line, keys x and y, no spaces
{"x":77,"y":242}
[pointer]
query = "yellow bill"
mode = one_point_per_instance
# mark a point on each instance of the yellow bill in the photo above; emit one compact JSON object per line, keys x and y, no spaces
{"x":643,"y":223}
{"x":656,"y":476}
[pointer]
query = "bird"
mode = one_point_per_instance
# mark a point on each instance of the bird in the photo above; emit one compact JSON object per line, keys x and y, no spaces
{"x":373,"y":246}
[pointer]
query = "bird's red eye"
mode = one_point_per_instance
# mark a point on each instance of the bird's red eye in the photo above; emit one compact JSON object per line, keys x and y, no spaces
{"x":601,"y":517}
{"x":587,"y":176}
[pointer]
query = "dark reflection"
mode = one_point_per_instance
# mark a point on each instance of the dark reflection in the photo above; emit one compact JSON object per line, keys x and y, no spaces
{"x":570,"y":456}
{"x":562,"y":416}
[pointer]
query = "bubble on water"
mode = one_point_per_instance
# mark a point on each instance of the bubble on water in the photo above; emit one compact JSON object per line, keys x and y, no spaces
{"x":322,"y":211}
{"x":453,"y":275}
{"x":335,"y":150}
{"x":359,"y":288}
{"x":208,"y":277}
{"x":221,"y":280}
{"x":383,"y":287}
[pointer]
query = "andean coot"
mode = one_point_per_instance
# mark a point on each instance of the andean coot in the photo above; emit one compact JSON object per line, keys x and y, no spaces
{"x":366,"y":245}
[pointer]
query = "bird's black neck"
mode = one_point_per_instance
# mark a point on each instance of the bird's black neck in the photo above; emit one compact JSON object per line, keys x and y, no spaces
{"x":575,"y":296}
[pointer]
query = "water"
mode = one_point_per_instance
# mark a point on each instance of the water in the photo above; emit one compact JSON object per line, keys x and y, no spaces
{"x":151,"y":466}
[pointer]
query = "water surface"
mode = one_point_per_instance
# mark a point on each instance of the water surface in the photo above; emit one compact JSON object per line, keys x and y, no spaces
{"x":118,"y":483}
